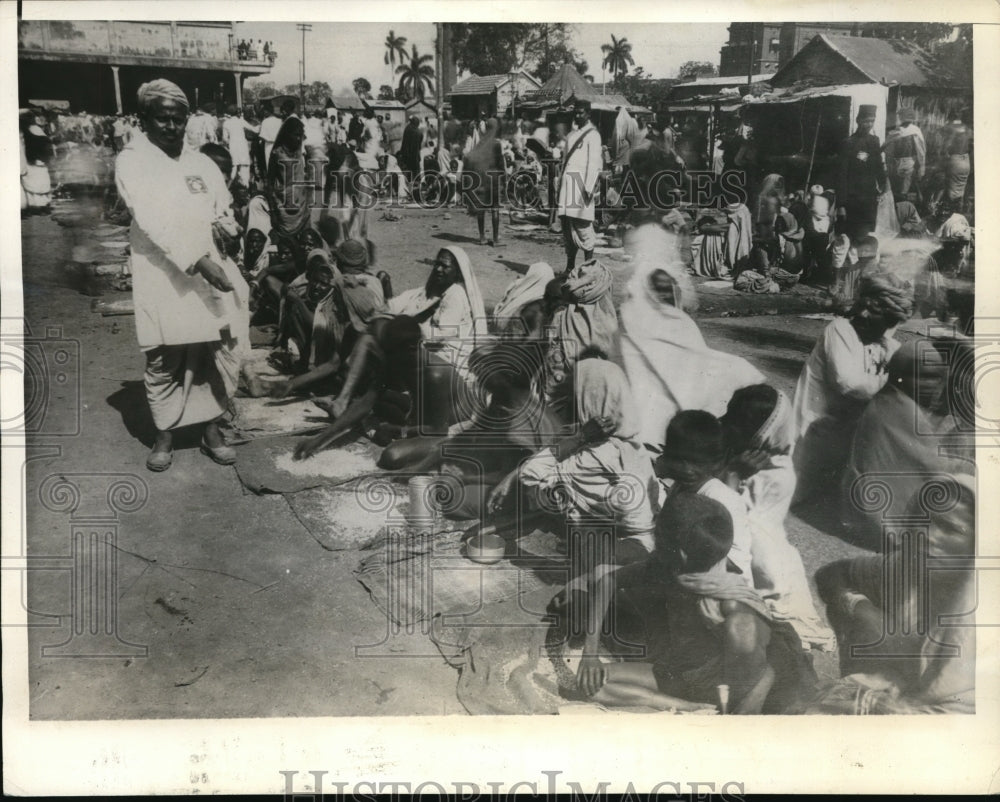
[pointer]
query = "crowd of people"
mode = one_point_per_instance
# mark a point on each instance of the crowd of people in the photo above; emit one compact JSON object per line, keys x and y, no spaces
{"x":247,"y":50}
{"x":668,"y":468}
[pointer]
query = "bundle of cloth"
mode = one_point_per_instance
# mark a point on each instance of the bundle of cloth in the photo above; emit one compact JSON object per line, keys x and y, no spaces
{"x":668,"y":363}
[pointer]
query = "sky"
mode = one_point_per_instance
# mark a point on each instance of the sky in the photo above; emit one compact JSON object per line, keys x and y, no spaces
{"x":340,"y":52}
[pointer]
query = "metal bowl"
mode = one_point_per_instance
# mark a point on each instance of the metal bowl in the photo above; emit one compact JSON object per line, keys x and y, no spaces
{"x":485,"y":549}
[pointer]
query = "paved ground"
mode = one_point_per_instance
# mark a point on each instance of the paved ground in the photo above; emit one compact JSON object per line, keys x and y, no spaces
{"x":243,"y":613}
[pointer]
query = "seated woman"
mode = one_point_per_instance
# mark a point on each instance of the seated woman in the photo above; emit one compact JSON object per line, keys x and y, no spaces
{"x":791,"y":241}
{"x":324,"y":313}
{"x":928,"y":666}
{"x":725,"y":245}
{"x":844,"y":371}
{"x":710,"y":638}
{"x":760,"y":470}
{"x":668,"y":363}
{"x":516,"y":314}
{"x":382,"y":381}
{"x":600,"y":473}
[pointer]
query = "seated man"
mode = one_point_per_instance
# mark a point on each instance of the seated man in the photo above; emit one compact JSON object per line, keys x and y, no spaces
{"x":450,"y":303}
{"x":906,"y":627}
{"x":284,"y":264}
{"x":323,"y":313}
{"x":513,"y":425}
{"x":710,"y":638}
{"x":382,"y":380}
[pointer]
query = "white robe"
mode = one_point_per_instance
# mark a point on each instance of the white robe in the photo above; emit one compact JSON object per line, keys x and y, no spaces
{"x":174,"y":203}
{"x":581,"y":170}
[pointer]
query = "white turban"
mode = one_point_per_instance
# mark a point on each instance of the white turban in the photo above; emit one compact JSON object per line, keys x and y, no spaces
{"x":163,"y":88}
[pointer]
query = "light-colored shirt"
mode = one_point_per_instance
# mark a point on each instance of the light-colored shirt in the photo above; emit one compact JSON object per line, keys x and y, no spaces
{"x":452,"y":318}
{"x":581,"y":169}
{"x":593,"y":492}
{"x":840,"y":376}
{"x":269,"y":129}
{"x":234,"y":136}
{"x":740,"y":553}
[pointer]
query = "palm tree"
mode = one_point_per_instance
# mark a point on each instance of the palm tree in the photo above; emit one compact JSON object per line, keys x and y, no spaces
{"x":617,"y":56}
{"x":395,"y":51}
{"x":417,"y":76}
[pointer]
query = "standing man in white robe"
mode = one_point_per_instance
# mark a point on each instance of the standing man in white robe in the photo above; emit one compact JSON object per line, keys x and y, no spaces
{"x":191,"y":304}
{"x":234,"y":137}
{"x":581,"y":169}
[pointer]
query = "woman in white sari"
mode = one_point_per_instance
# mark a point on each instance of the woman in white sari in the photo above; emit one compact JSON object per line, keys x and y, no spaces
{"x":668,"y":363}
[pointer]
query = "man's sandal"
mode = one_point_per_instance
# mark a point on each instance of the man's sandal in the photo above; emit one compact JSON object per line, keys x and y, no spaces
{"x":223,"y":455}
{"x":159,"y":461}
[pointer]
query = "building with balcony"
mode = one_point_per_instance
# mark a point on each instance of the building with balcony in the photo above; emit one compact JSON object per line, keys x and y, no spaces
{"x":98,"y":66}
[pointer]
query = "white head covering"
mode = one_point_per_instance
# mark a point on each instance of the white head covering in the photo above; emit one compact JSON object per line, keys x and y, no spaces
{"x":529,"y":287}
{"x":161,"y":88}
{"x":479,"y":321}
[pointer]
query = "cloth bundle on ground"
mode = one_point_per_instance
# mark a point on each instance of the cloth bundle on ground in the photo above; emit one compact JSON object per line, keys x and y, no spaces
{"x":668,"y":363}
{"x":755,"y":283}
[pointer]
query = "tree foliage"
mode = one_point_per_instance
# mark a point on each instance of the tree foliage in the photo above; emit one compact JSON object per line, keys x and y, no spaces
{"x":395,"y":50}
{"x":362,"y":88}
{"x":691,"y":70}
{"x":617,"y":56}
{"x":488,"y":48}
{"x":417,"y":76}
{"x":386,"y":92}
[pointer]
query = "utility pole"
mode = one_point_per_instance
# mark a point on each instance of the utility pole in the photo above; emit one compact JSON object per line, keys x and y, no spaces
{"x":304,"y":27}
{"x":753,"y":48}
{"x":439,"y":77}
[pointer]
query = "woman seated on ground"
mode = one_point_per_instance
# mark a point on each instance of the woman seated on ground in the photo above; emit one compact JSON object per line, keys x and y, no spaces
{"x":928,"y":666}
{"x":381,"y":384}
{"x":710,"y":637}
{"x":760,"y":470}
{"x":323,"y":313}
{"x":512,"y":426}
{"x":600,"y":473}
{"x":725,"y":245}
{"x":668,"y":363}
{"x":791,"y":237}
{"x":521,"y":311}
{"x":845,"y":370}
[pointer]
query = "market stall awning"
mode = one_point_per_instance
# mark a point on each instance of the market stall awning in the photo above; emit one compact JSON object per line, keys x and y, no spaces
{"x":566,"y":84}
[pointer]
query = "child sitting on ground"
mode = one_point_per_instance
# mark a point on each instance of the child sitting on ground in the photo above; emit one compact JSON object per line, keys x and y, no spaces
{"x":760,"y":470}
{"x":694,"y":454}
{"x":709,"y":636}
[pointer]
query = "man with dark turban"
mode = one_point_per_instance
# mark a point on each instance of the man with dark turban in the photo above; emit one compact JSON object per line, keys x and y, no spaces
{"x":191,"y":304}
{"x":844,"y":371}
